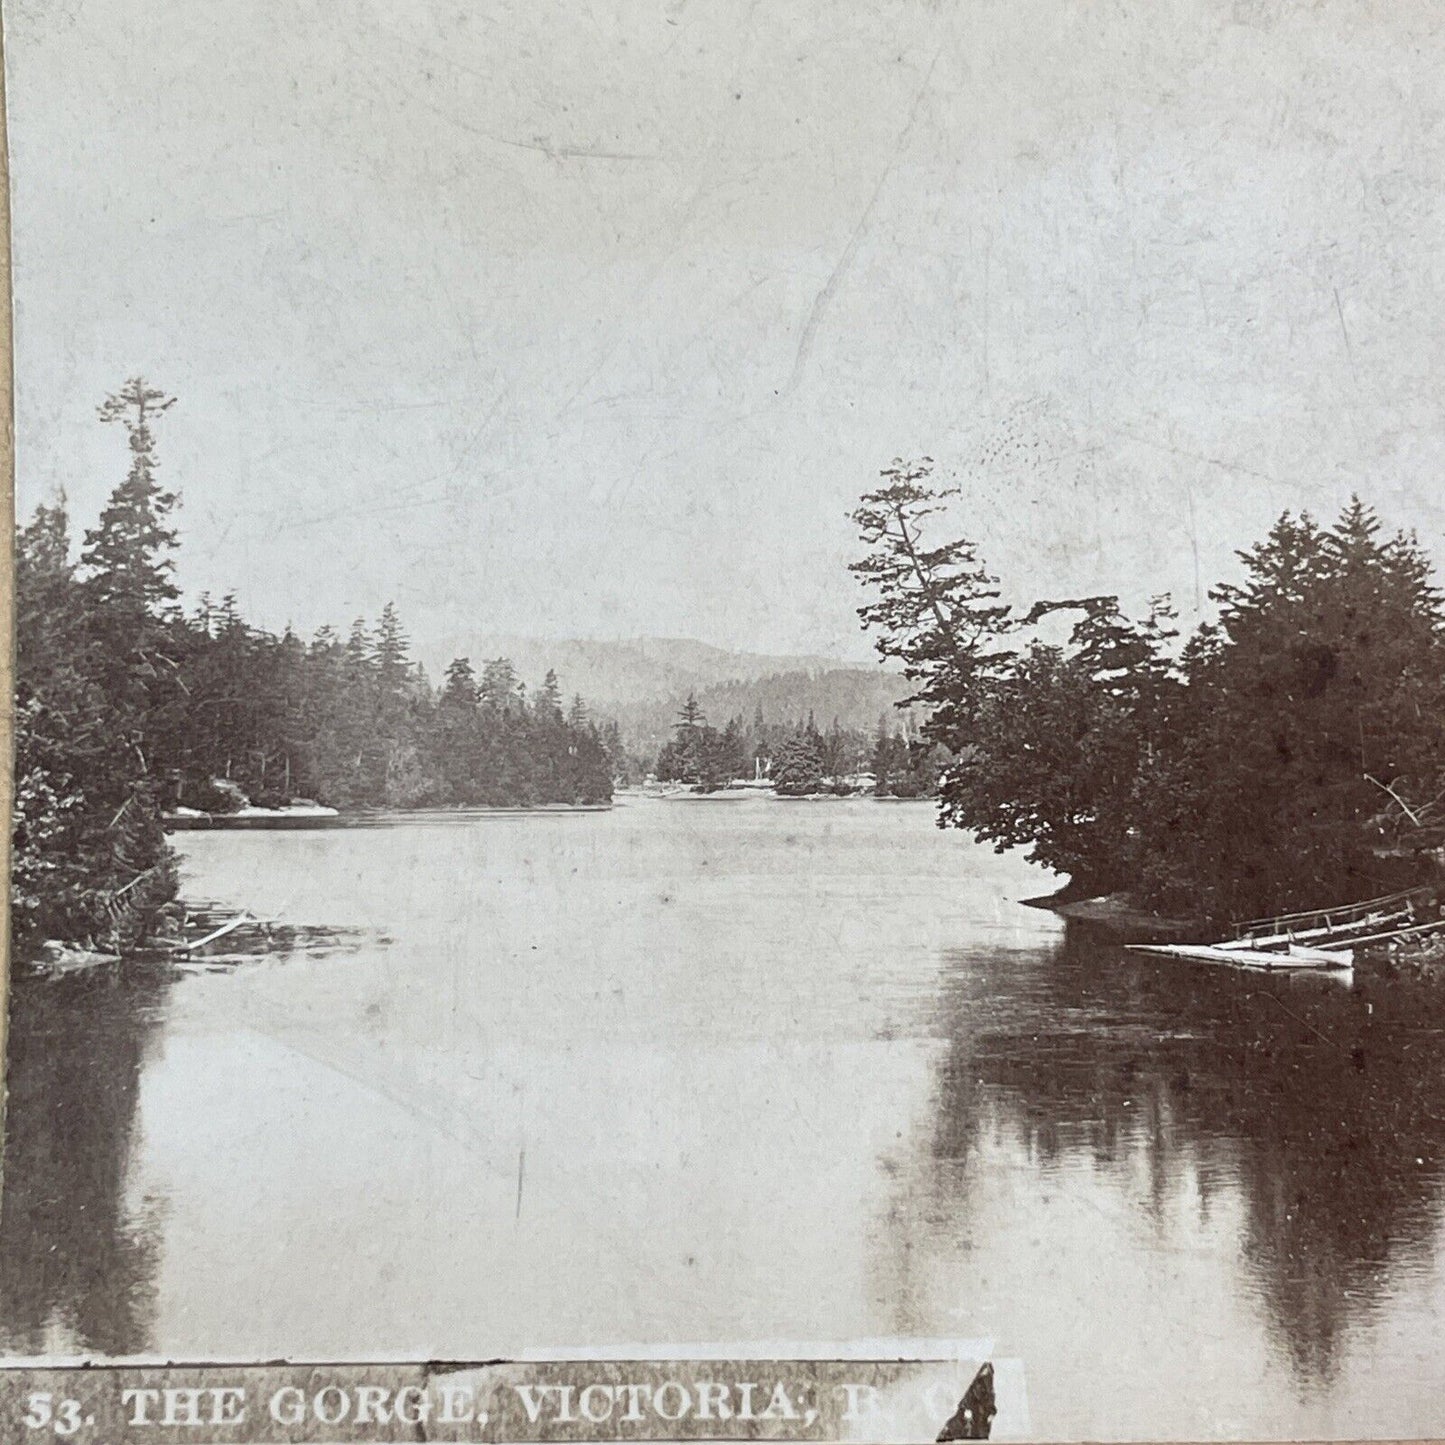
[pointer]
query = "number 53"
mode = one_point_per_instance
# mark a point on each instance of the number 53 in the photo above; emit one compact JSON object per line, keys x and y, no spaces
{"x":64,"y":1417}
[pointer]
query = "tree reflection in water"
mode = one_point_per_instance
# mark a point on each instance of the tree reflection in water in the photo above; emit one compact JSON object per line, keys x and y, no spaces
{"x":1317,"y":1107}
{"x":76,"y":1267}
{"x":1323,"y":1099}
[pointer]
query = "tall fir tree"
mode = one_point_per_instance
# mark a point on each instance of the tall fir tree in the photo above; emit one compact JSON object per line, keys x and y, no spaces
{"x":937,"y":610}
{"x":101,"y":702}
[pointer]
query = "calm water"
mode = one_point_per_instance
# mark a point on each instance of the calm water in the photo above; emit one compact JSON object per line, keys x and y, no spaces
{"x":735,"y":1070}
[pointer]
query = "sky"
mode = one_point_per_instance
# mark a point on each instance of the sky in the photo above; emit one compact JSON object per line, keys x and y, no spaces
{"x":594,"y":319}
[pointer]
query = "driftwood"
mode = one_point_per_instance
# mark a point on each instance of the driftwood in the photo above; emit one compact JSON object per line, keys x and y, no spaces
{"x":246,"y":936}
{"x":973,"y":1420}
{"x":189,"y":943}
{"x":221,"y":932}
{"x":202,"y":924}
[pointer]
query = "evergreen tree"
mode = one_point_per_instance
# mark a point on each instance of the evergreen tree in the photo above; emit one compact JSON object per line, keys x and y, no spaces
{"x":839,"y":754}
{"x":389,"y":654}
{"x":128,"y":555}
{"x":729,"y":759}
{"x":459,"y":693}
{"x":798,"y":770}
{"x":124,"y":705}
{"x":938,"y":611}
{"x":690,"y":718}
{"x":888,"y":763}
{"x":1267,"y":767}
{"x":129,"y":589}
{"x":1060,"y":738}
{"x":98,"y":703}
{"x":548,"y":702}
{"x":685,"y":758}
{"x":360,"y":654}
{"x":1310,"y":708}
{"x":620,"y":765}
{"x":285,"y":719}
{"x":500,"y":685}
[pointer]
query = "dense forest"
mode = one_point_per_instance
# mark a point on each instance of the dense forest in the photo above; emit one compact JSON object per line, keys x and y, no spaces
{"x":1288,"y":753}
{"x":127,"y":706}
{"x":798,"y":758}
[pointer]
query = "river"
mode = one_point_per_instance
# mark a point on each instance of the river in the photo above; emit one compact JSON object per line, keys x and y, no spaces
{"x":734,"y":1070}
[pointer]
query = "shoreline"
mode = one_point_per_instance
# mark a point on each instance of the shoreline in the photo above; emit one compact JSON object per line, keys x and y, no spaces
{"x":1114,"y":918}
{"x":279,"y":821}
{"x":1114,"y":915}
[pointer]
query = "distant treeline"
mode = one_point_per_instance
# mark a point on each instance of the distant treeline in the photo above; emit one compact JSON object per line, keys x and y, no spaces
{"x":853,"y":696}
{"x":127,"y":707}
{"x":1291,"y":753}
{"x":798,"y":757}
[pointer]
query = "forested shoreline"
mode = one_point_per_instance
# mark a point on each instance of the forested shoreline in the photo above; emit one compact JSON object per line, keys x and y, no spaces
{"x":1289,"y":753}
{"x":799,"y":758}
{"x":126,"y":706}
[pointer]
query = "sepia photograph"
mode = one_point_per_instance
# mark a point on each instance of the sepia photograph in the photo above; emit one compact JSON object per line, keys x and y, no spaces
{"x":733,"y":712}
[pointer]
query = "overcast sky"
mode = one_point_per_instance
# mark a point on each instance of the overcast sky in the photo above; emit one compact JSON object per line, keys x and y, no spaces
{"x":592,"y":319}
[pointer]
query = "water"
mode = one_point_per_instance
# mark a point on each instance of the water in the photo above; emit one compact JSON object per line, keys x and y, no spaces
{"x":735,"y":1070}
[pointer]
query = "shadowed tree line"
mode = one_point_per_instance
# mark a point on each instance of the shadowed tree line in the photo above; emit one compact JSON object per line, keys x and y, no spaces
{"x":1288,"y":753}
{"x":127,"y":706}
{"x":75,"y":1253}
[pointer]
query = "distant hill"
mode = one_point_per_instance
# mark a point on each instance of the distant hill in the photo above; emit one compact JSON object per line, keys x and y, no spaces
{"x":638,"y":669}
{"x":641,"y":682}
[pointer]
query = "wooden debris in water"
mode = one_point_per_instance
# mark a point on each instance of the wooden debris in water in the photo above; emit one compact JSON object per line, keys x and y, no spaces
{"x":243,"y":935}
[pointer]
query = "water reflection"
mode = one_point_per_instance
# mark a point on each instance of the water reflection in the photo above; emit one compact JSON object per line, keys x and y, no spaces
{"x":735,"y":1072}
{"x":77,"y":1262}
{"x":1322,"y":1103}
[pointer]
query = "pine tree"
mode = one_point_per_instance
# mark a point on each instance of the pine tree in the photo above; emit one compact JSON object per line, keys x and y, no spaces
{"x":620,"y":766}
{"x":389,"y":653}
{"x":94,"y":673}
{"x":129,"y":589}
{"x":360,"y":653}
{"x":132,"y":653}
{"x":1060,"y":741}
{"x":938,"y":610}
{"x":690,"y":716}
{"x":392,"y":767}
{"x":798,"y":770}
{"x":286,"y":713}
{"x":685,"y":758}
{"x":548,"y":702}
{"x":836,"y":753}
{"x":500,"y":687}
{"x":129,"y":553}
{"x":1311,"y":708}
{"x":459,"y":693}
{"x":349,"y":765}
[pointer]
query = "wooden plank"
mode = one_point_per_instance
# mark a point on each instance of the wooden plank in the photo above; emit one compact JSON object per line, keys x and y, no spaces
{"x":1339,"y":930}
{"x":221,"y":932}
{"x":1434,"y":925}
{"x":1339,"y":910}
{"x":1294,"y":959}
